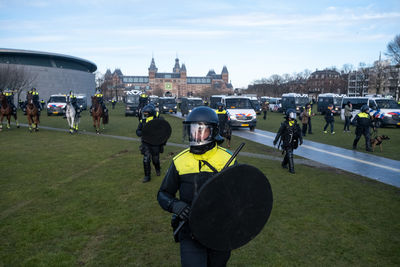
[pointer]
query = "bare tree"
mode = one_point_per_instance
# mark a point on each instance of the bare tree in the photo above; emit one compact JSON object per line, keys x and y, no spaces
{"x":15,"y":78}
{"x":158,"y":91}
{"x":393,"y":49}
{"x":347,"y":68}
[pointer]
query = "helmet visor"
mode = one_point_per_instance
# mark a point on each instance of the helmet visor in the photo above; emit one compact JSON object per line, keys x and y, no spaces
{"x":199,"y":133}
{"x":292,"y":115}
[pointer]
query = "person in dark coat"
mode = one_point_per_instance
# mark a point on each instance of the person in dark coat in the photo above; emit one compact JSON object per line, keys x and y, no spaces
{"x":290,"y":136}
{"x":149,"y":152}
{"x":363,"y":124}
{"x":188,"y":171}
{"x":330,"y":120}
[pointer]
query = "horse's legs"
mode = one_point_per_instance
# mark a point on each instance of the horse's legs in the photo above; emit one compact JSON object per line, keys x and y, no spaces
{"x":16,"y":120}
{"x":36,"y":118}
{"x":1,"y":122}
{"x":8,"y":121}
{"x":30,"y":122}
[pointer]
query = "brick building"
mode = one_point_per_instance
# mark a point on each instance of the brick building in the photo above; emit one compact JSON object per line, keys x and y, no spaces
{"x":177,"y":82}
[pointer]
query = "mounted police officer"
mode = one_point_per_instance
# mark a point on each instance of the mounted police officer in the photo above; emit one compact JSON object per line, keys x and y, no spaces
{"x":149,"y":152}
{"x":99,"y":97}
{"x":10,"y":100}
{"x":290,"y":135}
{"x":363,"y":123}
{"x":74,"y":102}
{"x":35,"y":98}
{"x":187,"y":173}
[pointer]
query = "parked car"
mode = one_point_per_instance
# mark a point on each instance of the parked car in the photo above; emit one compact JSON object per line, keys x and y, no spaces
{"x":167,"y":104}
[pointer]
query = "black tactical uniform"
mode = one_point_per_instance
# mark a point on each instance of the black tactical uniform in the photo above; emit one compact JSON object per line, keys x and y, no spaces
{"x":187,"y":173}
{"x":290,"y":135}
{"x":363,"y":123}
{"x":143,"y":101}
{"x":149,"y":152}
{"x":35,"y":98}
{"x":10,"y":100}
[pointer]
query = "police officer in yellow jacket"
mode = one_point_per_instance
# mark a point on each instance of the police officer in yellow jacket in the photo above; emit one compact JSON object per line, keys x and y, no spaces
{"x":10,"y":100}
{"x":99,"y":97}
{"x":363,"y":123}
{"x":187,"y":173}
{"x":149,"y":152}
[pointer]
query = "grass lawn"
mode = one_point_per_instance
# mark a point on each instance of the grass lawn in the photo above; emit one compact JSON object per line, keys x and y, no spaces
{"x":78,"y":200}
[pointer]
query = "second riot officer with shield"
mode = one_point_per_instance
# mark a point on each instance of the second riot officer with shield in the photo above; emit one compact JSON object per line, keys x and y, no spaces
{"x":290,"y":135}
{"x":149,"y":150}
{"x":188,"y":172}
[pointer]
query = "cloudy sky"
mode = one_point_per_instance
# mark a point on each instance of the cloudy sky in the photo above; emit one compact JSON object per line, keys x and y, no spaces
{"x":254,"y":39}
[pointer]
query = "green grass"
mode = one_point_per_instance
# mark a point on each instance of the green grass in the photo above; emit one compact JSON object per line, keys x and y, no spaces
{"x":78,"y":200}
{"x":391,"y":147}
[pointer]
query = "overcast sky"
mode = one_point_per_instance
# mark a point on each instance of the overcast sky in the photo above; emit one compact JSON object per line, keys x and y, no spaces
{"x":253,"y":39}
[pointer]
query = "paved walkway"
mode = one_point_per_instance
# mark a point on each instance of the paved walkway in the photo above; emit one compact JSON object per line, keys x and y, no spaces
{"x":378,"y":168}
{"x":365,"y":164}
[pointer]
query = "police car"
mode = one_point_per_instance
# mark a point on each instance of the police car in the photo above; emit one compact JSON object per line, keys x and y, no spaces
{"x":56,"y":104}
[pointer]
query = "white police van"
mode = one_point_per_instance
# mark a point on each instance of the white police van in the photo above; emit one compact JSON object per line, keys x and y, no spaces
{"x":385,"y":110}
{"x":56,"y":104}
{"x":241,"y":112}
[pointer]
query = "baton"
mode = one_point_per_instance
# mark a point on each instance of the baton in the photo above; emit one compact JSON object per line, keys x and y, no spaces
{"x":226,"y":165}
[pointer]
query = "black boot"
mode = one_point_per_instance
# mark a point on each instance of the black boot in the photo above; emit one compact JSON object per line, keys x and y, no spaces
{"x":291,"y":163}
{"x":156,"y":162}
{"x":147,"y":170}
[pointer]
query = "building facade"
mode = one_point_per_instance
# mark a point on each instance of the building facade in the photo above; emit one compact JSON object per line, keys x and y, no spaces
{"x":177,"y":82}
{"x":50,"y":73}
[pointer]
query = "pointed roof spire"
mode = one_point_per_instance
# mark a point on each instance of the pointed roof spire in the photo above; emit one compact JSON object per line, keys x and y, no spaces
{"x":176,"y":67}
{"x":153,"y":65}
{"x":183,"y":68}
{"x":224,"y":70}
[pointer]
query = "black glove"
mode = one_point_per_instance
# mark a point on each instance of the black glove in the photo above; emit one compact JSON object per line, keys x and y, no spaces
{"x":275,"y":142}
{"x":301,"y":141}
{"x":181,"y":209}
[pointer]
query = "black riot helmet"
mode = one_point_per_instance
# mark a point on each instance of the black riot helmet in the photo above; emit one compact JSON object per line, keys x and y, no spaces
{"x":290,"y":114}
{"x":149,"y":110}
{"x":220,"y":106}
{"x":364,"y":108}
{"x":201,"y":126}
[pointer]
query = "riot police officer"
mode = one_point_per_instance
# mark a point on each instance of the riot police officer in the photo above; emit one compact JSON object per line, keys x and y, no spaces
{"x":187,"y":173}
{"x":363,"y":123}
{"x":290,"y":135}
{"x":149,"y":152}
{"x":143,"y":101}
{"x":223,"y":122}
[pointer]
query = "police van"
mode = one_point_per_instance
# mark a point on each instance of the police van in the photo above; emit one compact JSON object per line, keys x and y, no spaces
{"x":294,"y":101}
{"x":189,"y":103}
{"x":56,"y":104}
{"x":324,"y":100}
{"x":167,"y":104}
{"x":385,"y":110}
{"x":241,"y":112}
{"x":256,"y":104}
{"x":132,"y":102}
{"x":214,"y":100}
{"x":274,"y":103}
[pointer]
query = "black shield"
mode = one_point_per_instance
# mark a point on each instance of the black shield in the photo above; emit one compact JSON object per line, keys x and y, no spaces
{"x":156,"y":132}
{"x":231,"y":208}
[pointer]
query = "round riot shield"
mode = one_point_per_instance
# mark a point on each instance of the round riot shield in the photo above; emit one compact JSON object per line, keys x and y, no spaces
{"x":156,"y":132}
{"x":231,"y":208}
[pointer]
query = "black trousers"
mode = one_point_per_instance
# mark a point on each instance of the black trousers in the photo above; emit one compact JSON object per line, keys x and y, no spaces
{"x":288,"y":159}
{"x":309,"y":126}
{"x":362,"y":131}
{"x":194,"y":254}
{"x":347,"y":123}
{"x":304,"y":129}
{"x":150,"y":153}
{"x":265,"y":114}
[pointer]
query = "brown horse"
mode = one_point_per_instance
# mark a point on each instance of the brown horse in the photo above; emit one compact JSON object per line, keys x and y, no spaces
{"x":33,"y":115}
{"x":6,"y":111}
{"x":97,"y":114}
